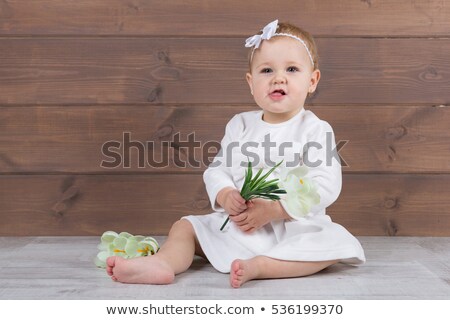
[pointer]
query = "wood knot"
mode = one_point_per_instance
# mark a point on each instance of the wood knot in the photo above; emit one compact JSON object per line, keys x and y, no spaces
{"x":368,"y":2}
{"x":133,"y":8}
{"x":59,"y":208}
{"x":391,"y":153}
{"x":164,"y":57}
{"x":391,"y":203}
{"x":69,"y":195}
{"x":155,"y":94}
{"x":396,"y":133}
{"x":164,"y":131}
{"x":392,"y":228}
{"x":430,"y":74}
{"x":201,"y":204}
{"x":166,"y":73}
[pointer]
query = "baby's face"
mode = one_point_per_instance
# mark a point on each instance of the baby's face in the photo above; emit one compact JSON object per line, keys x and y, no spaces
{"x":281,"y":77}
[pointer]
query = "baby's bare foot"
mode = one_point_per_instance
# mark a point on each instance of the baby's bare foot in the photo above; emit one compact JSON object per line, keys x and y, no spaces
{"x":148,"y":270}
{"x":242,"y":271}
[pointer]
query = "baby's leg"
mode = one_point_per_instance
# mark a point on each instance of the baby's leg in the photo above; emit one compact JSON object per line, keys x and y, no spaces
{"x":175,"y":256}
{"x":262,"y":267}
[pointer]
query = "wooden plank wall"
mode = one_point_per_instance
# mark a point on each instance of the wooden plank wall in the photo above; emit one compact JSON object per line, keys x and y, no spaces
{"x":76,"y":74}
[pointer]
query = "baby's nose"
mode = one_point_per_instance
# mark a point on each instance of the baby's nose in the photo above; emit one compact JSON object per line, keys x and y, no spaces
{"x":279,"y":79}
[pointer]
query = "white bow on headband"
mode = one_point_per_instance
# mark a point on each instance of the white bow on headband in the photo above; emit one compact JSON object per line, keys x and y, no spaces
{"x":268,"y":32}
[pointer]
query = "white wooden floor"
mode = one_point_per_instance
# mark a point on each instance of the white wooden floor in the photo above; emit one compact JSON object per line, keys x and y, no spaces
{"x":63,"y":268}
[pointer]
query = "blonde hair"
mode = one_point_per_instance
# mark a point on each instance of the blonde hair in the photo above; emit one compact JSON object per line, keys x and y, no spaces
{"x":286,"y":27}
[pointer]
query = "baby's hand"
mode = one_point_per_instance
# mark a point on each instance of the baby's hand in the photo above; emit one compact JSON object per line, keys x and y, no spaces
{"x":258,"y":213}
{"x":230,"y":199}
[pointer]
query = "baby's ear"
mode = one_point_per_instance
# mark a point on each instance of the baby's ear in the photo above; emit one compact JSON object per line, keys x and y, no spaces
{"x":315,"y":78}
{"x":249,"y":78}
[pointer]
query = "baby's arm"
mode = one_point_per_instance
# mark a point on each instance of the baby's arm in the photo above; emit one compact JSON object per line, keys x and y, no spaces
{"x":230,"y":199}
{"x":218,"y":175}
{"x":327,"y":176}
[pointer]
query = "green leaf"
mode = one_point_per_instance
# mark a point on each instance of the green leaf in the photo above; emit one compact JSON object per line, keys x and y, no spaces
{"x":258,"y":187}
{"x":266,"y":175}
{"x":248,"y":178}
{"x":252,"y":183}
{"x":249,"y":171}
{"x":264,"y":184}
{"x":269,"y":197}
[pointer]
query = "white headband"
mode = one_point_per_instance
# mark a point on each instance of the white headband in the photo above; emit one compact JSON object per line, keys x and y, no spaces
{"x":268,"y":32}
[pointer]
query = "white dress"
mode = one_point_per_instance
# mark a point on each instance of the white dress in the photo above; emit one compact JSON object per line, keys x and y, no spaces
{"x":311,"y":238}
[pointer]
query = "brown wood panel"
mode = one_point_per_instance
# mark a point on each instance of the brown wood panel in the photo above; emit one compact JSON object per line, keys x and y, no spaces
{"x":83,"y":205}
{"x":70,"y":139}
{"x":141,"y":70}
{"x":396,"y":205}
{"x":229,"y":18}
{"x":391,"y":138}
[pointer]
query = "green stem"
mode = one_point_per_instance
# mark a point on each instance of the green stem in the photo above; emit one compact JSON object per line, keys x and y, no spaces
{"x":225,"y":223}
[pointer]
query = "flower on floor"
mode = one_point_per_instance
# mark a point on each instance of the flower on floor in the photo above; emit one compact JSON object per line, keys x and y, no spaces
{"x":301,"y":192}
{"x":124,"y":245}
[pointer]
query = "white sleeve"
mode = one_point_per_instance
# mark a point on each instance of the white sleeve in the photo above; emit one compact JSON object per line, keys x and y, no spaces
{"x":325,"y":170}
{"x":322,"y":159}
{"x":218,"y":175}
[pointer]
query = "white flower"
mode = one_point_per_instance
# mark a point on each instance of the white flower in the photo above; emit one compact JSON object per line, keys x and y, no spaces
{"x":301,"y":192}
{"x":124,"y":245}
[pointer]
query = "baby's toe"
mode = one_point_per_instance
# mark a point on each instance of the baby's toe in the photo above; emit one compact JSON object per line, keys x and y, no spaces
{"x":111,"y":261}
{"x":235,"y":265}
{"x":235,"y":283}
{"x":240,"y":272}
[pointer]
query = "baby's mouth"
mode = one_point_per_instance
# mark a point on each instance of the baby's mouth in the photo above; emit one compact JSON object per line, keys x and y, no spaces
{"x":278,"y":93}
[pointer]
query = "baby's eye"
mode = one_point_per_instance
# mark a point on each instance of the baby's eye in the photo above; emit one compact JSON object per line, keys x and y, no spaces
{"x":266,"y":70}
{"x":292,"y":69}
